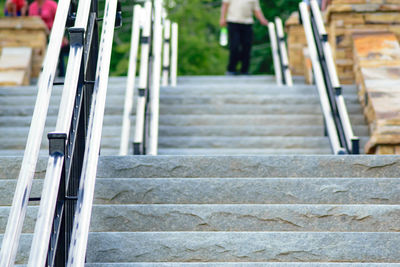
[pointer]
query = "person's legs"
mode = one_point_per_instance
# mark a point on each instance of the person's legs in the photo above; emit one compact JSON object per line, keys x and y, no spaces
{"x":246,"y":40}
{"x":234,"y":46}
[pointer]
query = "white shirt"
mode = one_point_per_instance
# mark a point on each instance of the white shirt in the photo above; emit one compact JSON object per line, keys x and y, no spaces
{"x":241,"y":11}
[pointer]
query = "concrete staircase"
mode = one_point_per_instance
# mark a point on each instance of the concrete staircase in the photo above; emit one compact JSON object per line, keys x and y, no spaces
{"x":203,"y":115}
{"x":230,"y":210}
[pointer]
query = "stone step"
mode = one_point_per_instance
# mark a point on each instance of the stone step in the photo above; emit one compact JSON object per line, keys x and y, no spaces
{"x":219,"y":247}
{"x":17,"y":110}
{"x":208,"y":142}
{"x":232,"y":191}
{"x":284,"y":99}
{"x":170,"y":131}
{"x":244,"y":151}
{"x":248,"y":166}
{"x":235,"y":264}
{"x":243,"y":246}
{"x":201,"y":120}
{"x":235,"y":88}
{"x":236,"y":218}
{"x":263,"y":99}
{"x":264,"y":142}
{"x":290,"y":166}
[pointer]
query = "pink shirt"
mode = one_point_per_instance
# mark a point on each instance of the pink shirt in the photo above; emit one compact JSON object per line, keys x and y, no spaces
{"x":47,"y":11}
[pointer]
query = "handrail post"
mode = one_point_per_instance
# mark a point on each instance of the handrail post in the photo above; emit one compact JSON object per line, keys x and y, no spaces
{"x":275,"y":53}
{"x":130,"y":83}
{"x":286,"y":74}
{"x":166,"y":52}
{"x":155,"y":79}
{"x":174,"y":54}
{"x":143,"y":87}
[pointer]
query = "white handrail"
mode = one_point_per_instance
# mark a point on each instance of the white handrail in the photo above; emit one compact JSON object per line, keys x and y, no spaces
{"x":43,"y":227}
{"x":275,"y":53}
{"x":343,"y":113}
{"x":45,"y":85}
{"x":156,"y":75}
{"x":330,"y":124}
{"x":166,"y":52}
{"x":84,"y":205}
{"x":174,"y":54}
{"x":283,"y":52}
{"x":143,"y":76}
{"x":130,"y":84}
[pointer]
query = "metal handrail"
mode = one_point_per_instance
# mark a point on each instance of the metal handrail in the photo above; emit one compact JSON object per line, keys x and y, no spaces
{"x":174,"y":54}
{"x":130,"y":84}
{"x":77,"y":251}
{"x":283,"y":53}
{"x":351,"y":141}
{"x":156,"y":75}
{"x":275,"y":53}
{"x":138,"y":143}
{"x":49,"y":197}
{"x":336,"y":145}
{"x":25,"y":178}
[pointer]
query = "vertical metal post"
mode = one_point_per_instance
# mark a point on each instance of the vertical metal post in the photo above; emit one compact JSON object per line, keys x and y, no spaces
{"x":130,"y":84}
{"x":166,"y":52}
{"x":174,"y":54}
{"x":138,"y":145}
{"x":275,"y":53}
{"x":155,"y":81}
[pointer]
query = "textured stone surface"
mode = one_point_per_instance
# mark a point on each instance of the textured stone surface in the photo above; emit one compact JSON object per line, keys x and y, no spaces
{"x":234,"y":191}
{"x":249,"y":166}
{"x":295,"y":218}
{"x":269,"y":264}
{"x":243,"y":246}
{"x":244,"y":151}
{"x":229,"y":166}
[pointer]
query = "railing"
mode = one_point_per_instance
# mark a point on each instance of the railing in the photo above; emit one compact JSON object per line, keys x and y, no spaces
{"x":279,"y":53}
{"x":148,"y":25}
{"x":56,"y":211}
{"x":24,"y":184}
{"x":337,"y":122}
{"x":74,"y":145}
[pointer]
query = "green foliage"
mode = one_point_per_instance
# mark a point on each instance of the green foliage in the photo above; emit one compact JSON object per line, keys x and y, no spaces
{"x":199,"y":51}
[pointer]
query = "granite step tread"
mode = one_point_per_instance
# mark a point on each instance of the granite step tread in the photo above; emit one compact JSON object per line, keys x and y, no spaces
{"x":243,"y":246}
{"x":235,"y":247}
{"x":244,"y":151}
{"x":203,"y":120}
{"x":329,"y":191}
{"x":221,"y":264}
{"x":307,"y":109}
{"x":236,"y":218}
{"x":170,"y":131}
{"x":289,"y":166}
{"x":233,"y":191}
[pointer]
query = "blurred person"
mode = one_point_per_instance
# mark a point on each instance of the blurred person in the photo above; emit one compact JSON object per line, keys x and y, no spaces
{"x":15,"y":8}
{"x":45,"y":9}
{"x":238,"y":16}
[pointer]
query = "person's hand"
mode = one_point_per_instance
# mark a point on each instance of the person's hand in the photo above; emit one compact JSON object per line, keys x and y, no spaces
{"x":222,"y":22}
{"x":264,"y":22}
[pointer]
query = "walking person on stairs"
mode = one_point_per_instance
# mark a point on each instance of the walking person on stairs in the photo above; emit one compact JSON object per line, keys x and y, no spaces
{"x":238,"y":16}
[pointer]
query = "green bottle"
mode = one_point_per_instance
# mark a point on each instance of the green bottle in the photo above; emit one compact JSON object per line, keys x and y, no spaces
{"x":223,"y":37}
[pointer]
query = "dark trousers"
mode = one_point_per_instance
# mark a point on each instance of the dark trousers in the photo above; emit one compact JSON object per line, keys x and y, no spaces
{"x":240,"y":41}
